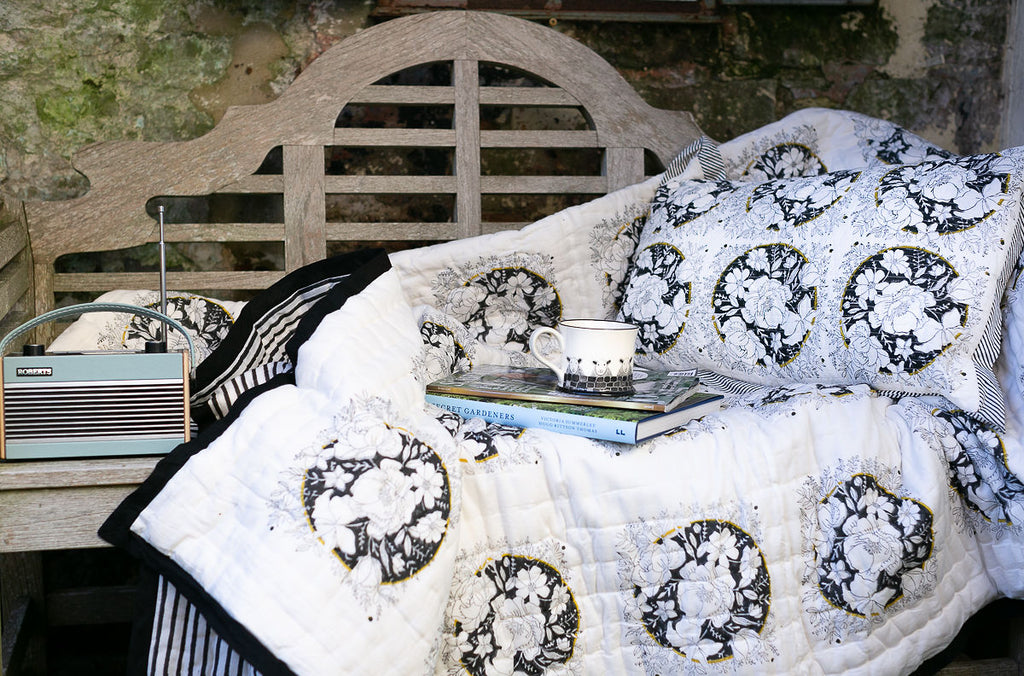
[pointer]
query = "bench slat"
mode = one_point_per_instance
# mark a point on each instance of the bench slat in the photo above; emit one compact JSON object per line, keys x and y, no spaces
{"x":13,"y":238}
{"x":549,"y":97}
{"x":104,"y":281}
{"x":393,"y":231}
{"x":15,"y":279}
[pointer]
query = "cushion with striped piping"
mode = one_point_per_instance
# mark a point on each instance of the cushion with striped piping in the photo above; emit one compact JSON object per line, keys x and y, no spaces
{"x":885,"y":275}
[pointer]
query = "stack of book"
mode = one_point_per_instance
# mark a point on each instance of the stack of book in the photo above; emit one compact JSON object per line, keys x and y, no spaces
{"x":530,"y":397}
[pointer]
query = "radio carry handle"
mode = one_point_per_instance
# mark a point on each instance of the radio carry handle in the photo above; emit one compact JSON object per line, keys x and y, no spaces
{"x":82,"y":308}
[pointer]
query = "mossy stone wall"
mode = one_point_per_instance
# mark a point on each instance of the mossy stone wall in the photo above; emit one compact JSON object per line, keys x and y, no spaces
{"x":82,"y":71}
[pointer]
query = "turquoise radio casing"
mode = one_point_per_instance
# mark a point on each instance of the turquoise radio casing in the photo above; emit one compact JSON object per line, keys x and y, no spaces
{"x":93,"y":404}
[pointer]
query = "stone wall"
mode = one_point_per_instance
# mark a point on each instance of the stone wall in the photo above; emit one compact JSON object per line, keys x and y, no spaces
{"x":82,"y":71}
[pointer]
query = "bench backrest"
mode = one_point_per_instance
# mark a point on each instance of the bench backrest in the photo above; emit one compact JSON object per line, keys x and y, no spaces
{"x":296,"y":161}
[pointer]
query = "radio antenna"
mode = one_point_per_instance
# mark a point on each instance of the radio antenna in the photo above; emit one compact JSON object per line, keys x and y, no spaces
{"x":163,"y":275}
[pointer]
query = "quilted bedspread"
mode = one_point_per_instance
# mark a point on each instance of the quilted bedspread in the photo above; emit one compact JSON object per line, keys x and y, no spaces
{"x":333,"y":522}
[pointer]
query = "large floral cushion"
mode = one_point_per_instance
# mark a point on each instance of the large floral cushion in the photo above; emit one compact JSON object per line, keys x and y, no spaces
{"x":890,"y":275}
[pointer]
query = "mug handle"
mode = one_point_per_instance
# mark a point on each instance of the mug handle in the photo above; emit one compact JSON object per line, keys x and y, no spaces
{"x":547,"y":330}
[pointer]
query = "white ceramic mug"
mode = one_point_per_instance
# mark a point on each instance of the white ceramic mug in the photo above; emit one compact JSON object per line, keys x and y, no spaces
{"x":593,"y":355}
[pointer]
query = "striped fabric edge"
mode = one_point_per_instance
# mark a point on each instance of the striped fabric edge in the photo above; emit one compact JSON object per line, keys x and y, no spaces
{"x":707,"y":154}
{"x":268,"y":337}
{"x":182,"y":643}
{"x":727,"y":384}
{"x":272,"y":325}
{"x":223,"y":398}
{"x":992,"y":409}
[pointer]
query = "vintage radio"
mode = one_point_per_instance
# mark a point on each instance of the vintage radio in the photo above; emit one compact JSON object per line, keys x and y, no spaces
{"x":89,"y":404}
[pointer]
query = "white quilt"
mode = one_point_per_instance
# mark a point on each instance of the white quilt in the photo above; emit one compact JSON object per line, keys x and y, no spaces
{"x":338,"y":524}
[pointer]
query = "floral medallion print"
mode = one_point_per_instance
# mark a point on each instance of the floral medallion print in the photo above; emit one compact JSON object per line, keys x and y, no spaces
{"x":676,"y":207}
{"x":788,"y":203}
{"x":514,"y":614}
{"x":785,"y":160}
{"x":745,"y":161}
{"x":701,"y":592}
{"x":945,"y":196}
{"x":384,"y":509}
{"x":884,"y":142}
{"x":206,"y":321}
{"x":900,"y":310}
{"x":483,"y":441}
{"x":979,"y":474}
{"x":612,"y":245}
{"x":786,"y":393}
{"x":764,"y":305}
{"x":869,"y":539}
{"x":443,"y":353}
{"x":657,"y":300}
{"x":501,"y":304}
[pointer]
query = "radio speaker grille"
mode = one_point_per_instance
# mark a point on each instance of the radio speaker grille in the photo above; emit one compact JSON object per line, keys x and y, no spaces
{"x":89,"y":410}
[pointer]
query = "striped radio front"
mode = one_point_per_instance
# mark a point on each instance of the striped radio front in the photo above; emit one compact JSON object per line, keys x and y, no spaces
{"x":133,"y":409}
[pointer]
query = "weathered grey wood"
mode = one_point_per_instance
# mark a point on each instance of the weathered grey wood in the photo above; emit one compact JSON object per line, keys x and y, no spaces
{"x":256,"y":183}
{"x":527,"y":96}
{"x":489,"y":138}
{"x":623,"y":166}
{"x":79,"y":281}
{"x":74,"y":473}
{"x":544,"y":184}
{"x":442,"y":138}
{"x":42,"y":280}
{"x":59,"y":504}
{"x":122,"y":176}
{"x":1012,"y":130}
{"x":391,"y":184}
{"x":391,"y":231}
{"x":467,"y":148}
{"x":13,"y":239}
{"x":439,"y":96}
{"x":15,"y":267}
{"x":538,"y":138}
{"x":15,"y":280}
{"x":224,"y":232}
{"x":18,"y":314}
{"x":304,"y":206}
{"x":57,"y":518}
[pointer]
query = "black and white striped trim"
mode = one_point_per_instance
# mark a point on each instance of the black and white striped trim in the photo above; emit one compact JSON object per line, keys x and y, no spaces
{"x":265,"y":338}
{"x":182,"y":643}
{"x":221,"y":400}
{"x":707,"y":154}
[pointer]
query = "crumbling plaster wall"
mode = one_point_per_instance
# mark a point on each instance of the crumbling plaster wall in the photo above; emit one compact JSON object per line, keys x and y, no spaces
{"x":81,"y":71}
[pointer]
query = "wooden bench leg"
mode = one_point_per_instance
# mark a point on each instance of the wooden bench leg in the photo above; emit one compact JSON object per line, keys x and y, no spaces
{"x":22,"y":620}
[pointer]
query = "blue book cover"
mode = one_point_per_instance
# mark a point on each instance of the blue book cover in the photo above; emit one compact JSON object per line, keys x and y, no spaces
{"x":595,"y":422}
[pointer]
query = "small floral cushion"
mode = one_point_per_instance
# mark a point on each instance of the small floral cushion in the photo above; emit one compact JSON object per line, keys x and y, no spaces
{"x":206,"y":319}
{"x":888,"y":275}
